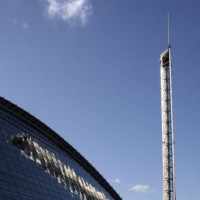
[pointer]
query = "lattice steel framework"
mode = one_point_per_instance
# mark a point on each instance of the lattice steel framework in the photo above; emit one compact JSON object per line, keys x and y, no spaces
{"x":169,"y":191}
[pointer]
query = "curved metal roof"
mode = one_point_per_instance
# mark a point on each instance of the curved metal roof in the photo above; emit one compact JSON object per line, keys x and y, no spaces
{"x":58,"y":141}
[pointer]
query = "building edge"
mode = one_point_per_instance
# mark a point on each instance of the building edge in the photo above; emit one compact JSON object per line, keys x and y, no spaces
{"x":8,"y":106}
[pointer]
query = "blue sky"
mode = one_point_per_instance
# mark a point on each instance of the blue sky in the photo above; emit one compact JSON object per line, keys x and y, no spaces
{"x":89,"y":69}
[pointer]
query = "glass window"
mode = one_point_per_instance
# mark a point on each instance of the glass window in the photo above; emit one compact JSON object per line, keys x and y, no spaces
{"x":33,"y":168}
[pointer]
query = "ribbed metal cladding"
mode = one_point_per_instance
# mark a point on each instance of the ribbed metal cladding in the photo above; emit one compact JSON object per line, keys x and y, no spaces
{"x":58,"y":141}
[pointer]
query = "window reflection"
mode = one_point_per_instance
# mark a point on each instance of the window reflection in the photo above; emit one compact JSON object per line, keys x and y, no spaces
{"x":53,"y":166}
{"x":33,"y":168}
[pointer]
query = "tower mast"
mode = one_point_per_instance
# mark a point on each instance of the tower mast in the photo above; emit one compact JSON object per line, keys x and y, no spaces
{"x":169,"y":192}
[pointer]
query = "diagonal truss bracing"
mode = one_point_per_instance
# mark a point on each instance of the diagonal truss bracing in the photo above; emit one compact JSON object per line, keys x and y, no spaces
{"x":167,"y":126}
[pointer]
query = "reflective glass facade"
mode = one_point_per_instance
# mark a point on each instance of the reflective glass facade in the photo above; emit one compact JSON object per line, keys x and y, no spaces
{"x":33,"y":167}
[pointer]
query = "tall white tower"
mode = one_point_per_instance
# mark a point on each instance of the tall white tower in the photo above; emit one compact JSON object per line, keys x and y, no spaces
{"x":169,"y":191}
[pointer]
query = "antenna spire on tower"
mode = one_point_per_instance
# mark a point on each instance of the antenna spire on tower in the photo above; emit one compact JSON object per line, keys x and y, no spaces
{"x":168,"y":27}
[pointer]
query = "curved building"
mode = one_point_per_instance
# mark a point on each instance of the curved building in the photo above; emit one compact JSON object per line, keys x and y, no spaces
{"x":37,"y":164}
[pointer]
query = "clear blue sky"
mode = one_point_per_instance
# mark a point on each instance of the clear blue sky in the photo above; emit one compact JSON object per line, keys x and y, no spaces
{"x":90,"y":71}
